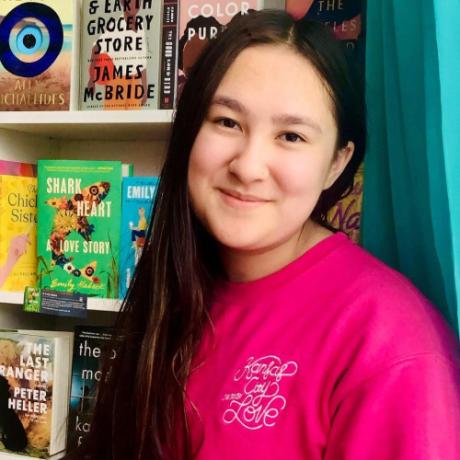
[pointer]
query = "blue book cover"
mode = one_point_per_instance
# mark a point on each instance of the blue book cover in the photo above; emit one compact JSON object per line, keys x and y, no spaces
{"x":138,"y":194}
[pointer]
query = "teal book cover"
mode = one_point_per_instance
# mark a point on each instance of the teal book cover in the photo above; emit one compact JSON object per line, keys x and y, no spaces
{"x":79,"y":216}
{"x":137,"y":203}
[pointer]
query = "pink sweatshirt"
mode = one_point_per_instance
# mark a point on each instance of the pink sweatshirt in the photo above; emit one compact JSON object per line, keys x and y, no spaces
{"x":334,"y":357}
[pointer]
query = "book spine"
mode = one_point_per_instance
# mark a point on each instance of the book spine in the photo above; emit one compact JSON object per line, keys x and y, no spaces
{"x":169,"y":46}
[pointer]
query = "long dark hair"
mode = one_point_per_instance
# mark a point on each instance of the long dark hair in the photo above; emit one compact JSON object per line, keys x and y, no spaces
{"x":141,"y":410}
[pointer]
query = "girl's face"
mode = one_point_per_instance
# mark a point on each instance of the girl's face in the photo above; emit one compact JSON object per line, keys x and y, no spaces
{"x":265,"y":151}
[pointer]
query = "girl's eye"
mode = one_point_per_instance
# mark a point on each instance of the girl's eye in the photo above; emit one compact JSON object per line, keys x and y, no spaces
{"x":227,"y":122}
{"x":292,"y":137}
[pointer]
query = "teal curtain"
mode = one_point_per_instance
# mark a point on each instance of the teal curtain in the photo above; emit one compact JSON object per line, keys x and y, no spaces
{"x":411,"y":204}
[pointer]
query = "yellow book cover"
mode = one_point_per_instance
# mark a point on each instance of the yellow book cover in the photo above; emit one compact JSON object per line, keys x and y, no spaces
{"x":18,"y":234}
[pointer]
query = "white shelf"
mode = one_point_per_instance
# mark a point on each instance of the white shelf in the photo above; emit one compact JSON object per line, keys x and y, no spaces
{"x":91,"y":125}
{"x":8,"y":456}
{"x":93,"y":302}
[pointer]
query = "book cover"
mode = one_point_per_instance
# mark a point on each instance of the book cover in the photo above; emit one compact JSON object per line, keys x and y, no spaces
{"x":34,"y":390}
{"x":138,"y":194}
{"x":36,"y":40}
{"x":169,"y":44}
{"x":344,"y":17}
{"x":346,"y":214}
{"x":18,"y":234}
{"x":90,"y":345}
{"x":79,"y":212}
{"x":200,"y":22}
{"x":120,"y":54}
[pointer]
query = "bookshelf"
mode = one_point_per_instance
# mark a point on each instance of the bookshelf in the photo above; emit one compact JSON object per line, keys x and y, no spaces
{"x":97,"y":304}
{"x":113,"y":125}
{"x":6,"y":456}
{"x":136,"y":137}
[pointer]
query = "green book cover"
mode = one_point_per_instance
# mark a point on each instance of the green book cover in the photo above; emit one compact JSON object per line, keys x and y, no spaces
{"x":79,"y":213}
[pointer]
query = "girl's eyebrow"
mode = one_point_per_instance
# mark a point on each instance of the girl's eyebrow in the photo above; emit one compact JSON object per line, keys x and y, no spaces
{"x":287,"y":119}
{"x":282,"y":119}
{"x":229,"y":102}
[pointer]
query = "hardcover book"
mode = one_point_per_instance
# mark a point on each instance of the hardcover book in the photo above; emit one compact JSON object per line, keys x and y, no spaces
{"x":34,"y":391}
{"x":120,"y":54}
{"x":18,"y":234}
{"x":138,"y":195}
{"x":201,"y":22}
{"x":90,"y":346}
{"x":36,"y":40}
{"x":79,"y":212}
{"x":169,"y":46}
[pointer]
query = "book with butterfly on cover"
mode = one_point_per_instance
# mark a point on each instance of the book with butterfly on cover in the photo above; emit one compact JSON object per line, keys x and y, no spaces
{"x":120,"y":54}
{"x":37,"y":54}
{"x":79,"y":212}
{"x":34,"y":391}
{"x":200,"y":22}
{"x":18,"y":226}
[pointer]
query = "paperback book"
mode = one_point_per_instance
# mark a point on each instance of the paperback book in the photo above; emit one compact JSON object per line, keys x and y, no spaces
{"x":90,"y":346}
{"x":120,"y":54}
{"x":18,"y":224}
{"x":34,"y":390}
{"x":138,"y":195}
{"x":79,"y":213}
{"x":200,"y":22}
{"x":36,"y":41}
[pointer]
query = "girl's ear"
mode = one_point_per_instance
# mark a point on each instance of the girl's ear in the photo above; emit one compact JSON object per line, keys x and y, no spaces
{"x":339,"y":163}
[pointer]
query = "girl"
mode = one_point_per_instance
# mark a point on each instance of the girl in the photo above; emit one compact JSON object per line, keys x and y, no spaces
{"x":251,"y":330}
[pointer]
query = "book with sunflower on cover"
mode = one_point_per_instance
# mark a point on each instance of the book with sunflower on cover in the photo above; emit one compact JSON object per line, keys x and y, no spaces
{"x":18,"y":227}
{"x":79,"y":212}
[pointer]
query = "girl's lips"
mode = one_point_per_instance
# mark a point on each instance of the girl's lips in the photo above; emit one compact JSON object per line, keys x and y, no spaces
{"x":235,"y":198}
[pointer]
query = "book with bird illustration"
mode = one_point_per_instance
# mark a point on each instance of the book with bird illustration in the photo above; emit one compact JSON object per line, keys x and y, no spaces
{"x":79,"y":212}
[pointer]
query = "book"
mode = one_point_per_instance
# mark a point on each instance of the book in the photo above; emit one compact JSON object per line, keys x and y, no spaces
{"x":200,"y":22}
{"x":346,"y":214}
{"x":343,"y":17}
{"x":138,"y":194}
{"x":79,"y":213}
{"x":18,"y":223}
{"x":169,"y":44}
{"x":90,"y":345}
{"x":34,"y":391}
{"x":120,"y":55}
{"x":17,"y":168}
{"x":36,"y":48}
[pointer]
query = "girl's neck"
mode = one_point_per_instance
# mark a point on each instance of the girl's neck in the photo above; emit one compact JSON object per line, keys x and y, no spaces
{"x":243,"y":266}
